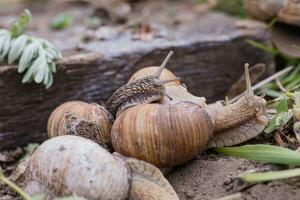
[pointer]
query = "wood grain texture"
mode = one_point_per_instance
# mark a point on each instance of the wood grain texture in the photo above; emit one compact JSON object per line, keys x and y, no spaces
{"x":209,"y":57}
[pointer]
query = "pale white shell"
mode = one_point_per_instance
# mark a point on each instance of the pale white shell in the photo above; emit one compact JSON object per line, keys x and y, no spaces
{"x":67,"y":165}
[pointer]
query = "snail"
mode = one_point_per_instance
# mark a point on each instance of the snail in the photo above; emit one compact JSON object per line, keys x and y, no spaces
{"x":141,"y":91}
{"x":285,"y":34}
{"x":167,"y":135}
{"x":175,"y":90}
{"x":286,"y":11}
{"x":67,"y":165}
{"x":91,"y":121}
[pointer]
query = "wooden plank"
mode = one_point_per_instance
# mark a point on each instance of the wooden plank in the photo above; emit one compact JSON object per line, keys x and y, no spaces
{"x":209,"y":57}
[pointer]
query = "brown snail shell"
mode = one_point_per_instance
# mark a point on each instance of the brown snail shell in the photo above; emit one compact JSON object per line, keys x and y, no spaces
{"x":164,"y":135}
{"x":91,"y":121}
{"x":285,"y":35}
{"x":67,"y":165}
{"x":263,"y":10}
{"x":290,"y":12}
{"x":148,"y":71}
{"x":286,"y":11}
{"x":175,"y":91}
{"x":286,"y":38}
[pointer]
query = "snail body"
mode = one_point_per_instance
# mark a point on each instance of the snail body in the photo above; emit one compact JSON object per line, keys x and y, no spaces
{"x":142,"y":91}
{"x":91,"y":121}
{"x":67,"y":165}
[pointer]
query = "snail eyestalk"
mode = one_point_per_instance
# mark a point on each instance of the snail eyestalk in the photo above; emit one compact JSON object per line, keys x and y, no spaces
{"x":163,"y":65}
{"x":249,"y":90}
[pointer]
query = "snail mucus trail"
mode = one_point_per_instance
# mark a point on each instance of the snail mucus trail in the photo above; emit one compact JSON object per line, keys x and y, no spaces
{"x":142,"y":91}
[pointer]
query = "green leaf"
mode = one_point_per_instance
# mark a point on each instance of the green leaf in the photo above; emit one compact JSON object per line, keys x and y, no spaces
{"x":271,"y":126}
{"x":297,"y":99}
{"x":272,"y":22}
{"x":3,"y":32}
{"x":266,"y":153}
{"x":269,"y":176}
{"x":53,"y":52}
{"x":294,"y":74}
{"x":46,"y":76}
{"x":17,"y":48}
{"x":52,"y":67}
{"x":13,"y":186}
{"x":61,"y":21}
{"x":283,"y":118}
{"x":34,"y":56}
{"x":19,"y":26}
{"x":50,"y":81}
{"x":29,"y":53}
{"x":232,"y":7}
{"x":282,"y":106}
{"x":42,"y":65}
{"x":5,"y":46}
{"x":272,"y":93}
{"x":262,"y":47}
{"x":32,"y":71}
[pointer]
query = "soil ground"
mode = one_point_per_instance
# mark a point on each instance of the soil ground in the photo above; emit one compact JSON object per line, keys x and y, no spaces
{"x":209,"y":176}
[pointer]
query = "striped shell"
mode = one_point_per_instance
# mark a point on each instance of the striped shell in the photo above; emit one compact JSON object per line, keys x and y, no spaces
{"x":174,"y":89}
{"x":287,"y":11}
{"x":67,"y":165}
{"x":90,"y":121}
{"x":164,"y":135}
{"x":149,"y":71}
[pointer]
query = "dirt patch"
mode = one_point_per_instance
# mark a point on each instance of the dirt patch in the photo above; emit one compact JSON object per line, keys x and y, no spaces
{"x":212,"y":176}
{"x":209,"y":176}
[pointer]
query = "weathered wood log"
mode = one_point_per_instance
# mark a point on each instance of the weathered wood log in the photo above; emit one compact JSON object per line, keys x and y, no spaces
{"x":209,"y":57}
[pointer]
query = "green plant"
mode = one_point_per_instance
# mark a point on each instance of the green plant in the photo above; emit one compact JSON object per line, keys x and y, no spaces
{"x":282,"y":116}
{"x":287,"y":83}
{"x":271,"y":175}
{"x":61,"y":21}
{"x":232,"y":7}
{"x":266,"y":153}
{"x":14,"y":186}
{"x":35,"y":56}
